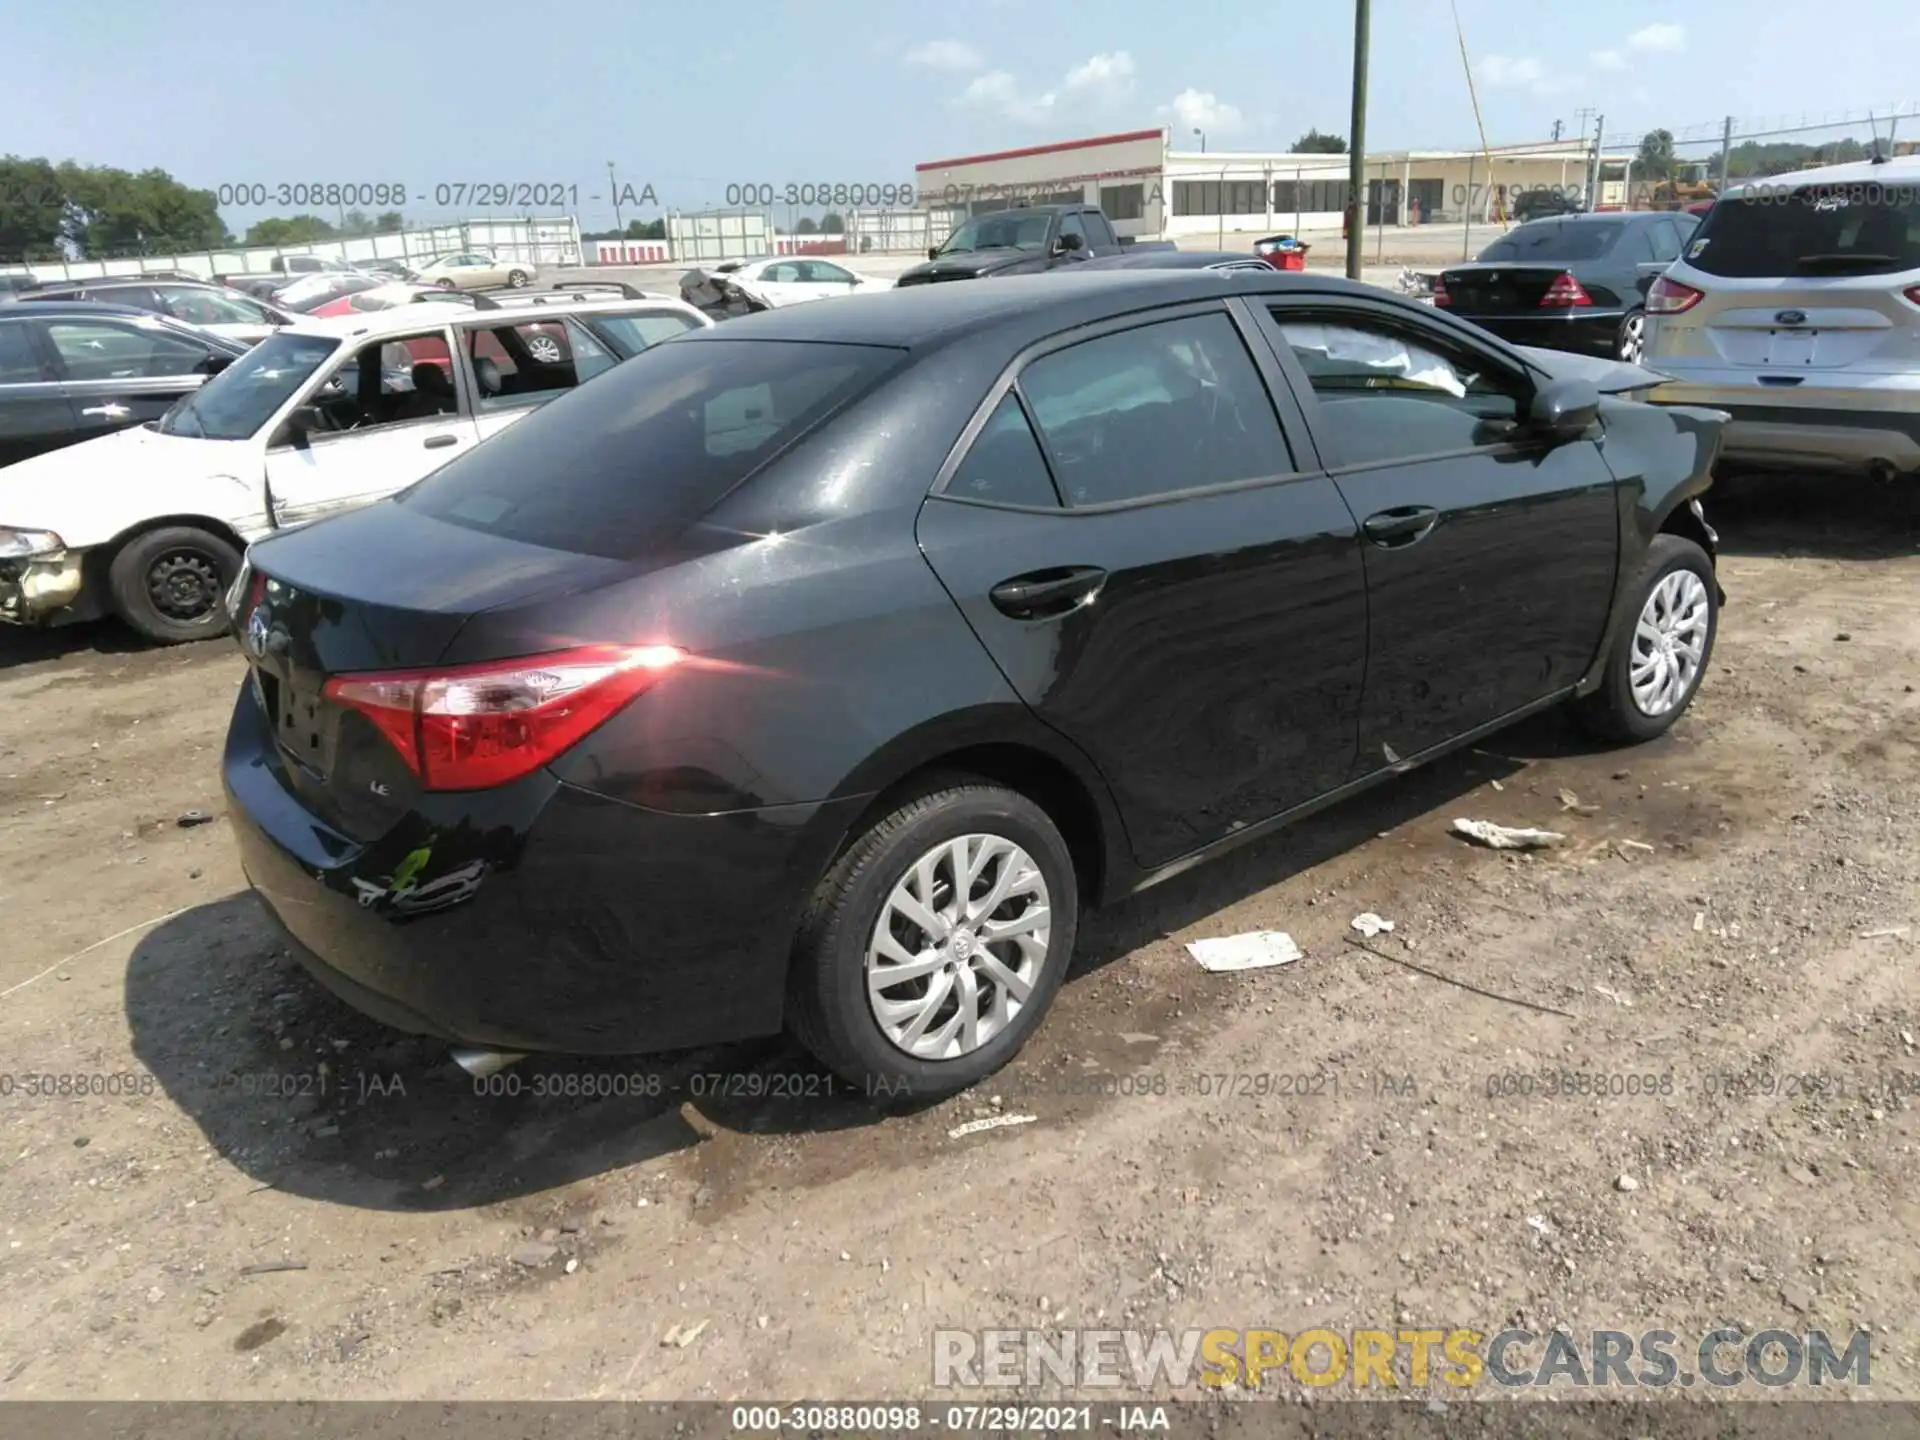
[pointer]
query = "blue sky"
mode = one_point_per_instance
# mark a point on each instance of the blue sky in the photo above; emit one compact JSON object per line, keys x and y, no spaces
{"x":763,"y":91}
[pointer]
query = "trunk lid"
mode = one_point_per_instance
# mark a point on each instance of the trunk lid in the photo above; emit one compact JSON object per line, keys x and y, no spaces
{"x":1514,"y":288}
{"x":382,"y":588}
{"x":1811,"y":323}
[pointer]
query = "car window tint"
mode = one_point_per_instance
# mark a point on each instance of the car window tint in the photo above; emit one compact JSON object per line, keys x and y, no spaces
{"x":1860,"y":229}
{"x":1098,"y":230}
{"x":1004,"y":463}
{"x":1385,"y":395}
{"x":634,"y":332}
{"x":389,"y":382}
{"x":99,"y":350}
{"x":1666,"y":240}
{"x":606,"y":469}
{"x":1161,"y":408}
{"x":18,"y":363}
{"x":1070,"y":225}
{"x":1555,"y":240}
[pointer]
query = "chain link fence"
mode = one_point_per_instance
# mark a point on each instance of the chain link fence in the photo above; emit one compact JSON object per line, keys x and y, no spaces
{"x":1672,"y":168}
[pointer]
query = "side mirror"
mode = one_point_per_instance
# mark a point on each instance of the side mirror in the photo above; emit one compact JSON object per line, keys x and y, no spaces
{"x":1563,"y":409}
{"x":214,"y":363}
{"x":1070,"y":243}
{"x":933,"y":252}
{"x":298,"y":426}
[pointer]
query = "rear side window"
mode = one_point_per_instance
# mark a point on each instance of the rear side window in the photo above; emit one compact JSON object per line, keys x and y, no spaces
{"x":1172,"y":406}
{"x":1815,"y":230}
{"x":1666,"y":240}
{"x":18,"y":364}
{"x":635,"y":331}
{"x":1555,"y":240}
{"x":604,"y":469}
{"x":1004,"y":464}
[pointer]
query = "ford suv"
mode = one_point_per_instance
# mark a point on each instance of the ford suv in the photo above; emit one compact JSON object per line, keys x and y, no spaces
{"x":1796,"y":308}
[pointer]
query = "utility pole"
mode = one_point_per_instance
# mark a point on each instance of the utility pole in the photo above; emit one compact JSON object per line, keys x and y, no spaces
{"x":613,"y":187}
{"x":1593,"y":184}
{"x":1556,"y":130}
{"x":1357,"y":145}
{"x":1726,"y":147}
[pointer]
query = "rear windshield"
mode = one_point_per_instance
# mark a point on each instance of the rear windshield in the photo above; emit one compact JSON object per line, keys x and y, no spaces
{"x":1555,"y":240}
{"x":650,"y":445}
{"x":1814,"y":230}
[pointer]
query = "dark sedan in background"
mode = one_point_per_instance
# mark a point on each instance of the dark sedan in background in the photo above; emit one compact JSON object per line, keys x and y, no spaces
{"x":1572,"y":282}
{"x":818,"y":668}
{"x":73,"y":371}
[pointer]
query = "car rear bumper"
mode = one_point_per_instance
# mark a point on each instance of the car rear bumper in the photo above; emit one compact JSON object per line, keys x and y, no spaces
{"x":1828,"y":429}
{"x":1592,"y":332}
{"x":543,"y":917}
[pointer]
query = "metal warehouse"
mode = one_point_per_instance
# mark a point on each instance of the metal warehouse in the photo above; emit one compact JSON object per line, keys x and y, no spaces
{"x":1147,"y":187}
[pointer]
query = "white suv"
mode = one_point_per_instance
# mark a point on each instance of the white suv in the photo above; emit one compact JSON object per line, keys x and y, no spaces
{"x":1796,"y":308}
{"x":325,"y":415}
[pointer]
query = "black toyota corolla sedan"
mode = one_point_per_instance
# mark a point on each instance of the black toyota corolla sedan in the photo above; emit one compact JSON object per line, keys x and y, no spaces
{"x":819,"y":669}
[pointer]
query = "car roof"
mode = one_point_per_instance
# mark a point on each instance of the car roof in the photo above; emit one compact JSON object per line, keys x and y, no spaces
{"x":924,"y":316}
{"x":1900,"y":170}
{"x":82,"y":309}
{"x":400,"y":319}
{"x":1175,"y":260}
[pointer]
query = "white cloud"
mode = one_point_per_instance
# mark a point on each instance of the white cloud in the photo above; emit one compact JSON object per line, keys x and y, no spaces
{"x":998,"y":91}
{"x":946,"y":55}
{"x":1525,"y":72}
{"x":1659,"y":37}
{"x":1099,"y":80}
{"x":1102,"y":77}
{"x":1202,"y":110}
{"x":1609,"y":60}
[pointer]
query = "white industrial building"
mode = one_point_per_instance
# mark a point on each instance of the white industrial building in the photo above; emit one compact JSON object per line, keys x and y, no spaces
{"x":1148,"y":188}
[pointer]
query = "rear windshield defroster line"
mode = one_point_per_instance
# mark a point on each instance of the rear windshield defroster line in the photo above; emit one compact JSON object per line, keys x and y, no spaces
{"x":649,"y":446}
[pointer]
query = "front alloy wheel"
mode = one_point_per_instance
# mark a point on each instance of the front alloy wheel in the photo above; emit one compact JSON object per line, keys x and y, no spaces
{"x":1669,"y":643}
{"x":1633,"y":339}
{"x":958,"y":946}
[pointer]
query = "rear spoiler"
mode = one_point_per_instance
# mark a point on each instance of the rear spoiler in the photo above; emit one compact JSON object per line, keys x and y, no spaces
{"x":1609,"y":377}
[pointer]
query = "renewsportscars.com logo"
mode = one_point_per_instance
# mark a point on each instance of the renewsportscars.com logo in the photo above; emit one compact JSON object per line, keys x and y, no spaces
{"x":1163,"y":1361}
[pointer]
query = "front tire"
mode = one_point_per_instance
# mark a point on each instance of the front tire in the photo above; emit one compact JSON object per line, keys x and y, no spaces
{"x":446,"y":284}
{"x":1659,"y":659}
{"x":169,"y":584}
{"x":1630,"y":344}
{"x":517,"y":279}
{"x":933,"y":947}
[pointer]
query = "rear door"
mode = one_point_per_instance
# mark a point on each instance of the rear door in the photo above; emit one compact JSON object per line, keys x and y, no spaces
{"x":1128,"y":529}
{"x":385,"y":419}
{"x":35,"y":414}
{"x":1490,"y":556}
{"x":118,"y":373}
{"x":510,"y":366}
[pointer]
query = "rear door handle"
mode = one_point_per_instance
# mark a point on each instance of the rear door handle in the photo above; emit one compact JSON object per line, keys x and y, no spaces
{"x":1402,"y":525}
{"x":1043,"y":594}
{"x":440,"y":442}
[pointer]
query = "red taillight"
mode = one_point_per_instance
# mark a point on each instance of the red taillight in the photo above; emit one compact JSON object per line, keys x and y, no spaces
{"x":1670,"y":297}
{"x":475,"y":726}
{"x":1440,"y":296}
{"x":1912,"y":292}
{"x":1564,"y":292}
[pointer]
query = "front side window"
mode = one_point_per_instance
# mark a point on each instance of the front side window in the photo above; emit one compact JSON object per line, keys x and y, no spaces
{"x":387,"y":382}
{"x":102,"y":350}
{"x":1070,"y":225}
{"x":1162,"y":408}
{"x":1386,"y":395}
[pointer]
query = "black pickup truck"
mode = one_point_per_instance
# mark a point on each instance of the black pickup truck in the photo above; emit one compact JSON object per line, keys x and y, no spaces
{"x":1024,"y":241}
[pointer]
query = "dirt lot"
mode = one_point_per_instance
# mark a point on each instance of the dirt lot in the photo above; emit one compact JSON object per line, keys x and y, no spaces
{"x":1708,"y":920}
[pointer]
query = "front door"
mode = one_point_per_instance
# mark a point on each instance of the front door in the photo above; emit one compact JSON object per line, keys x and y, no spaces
{"x":378,"y":421}
{"x":1490,"y":555}
{"x":1132,"y":538}
{"x":117,"y":372}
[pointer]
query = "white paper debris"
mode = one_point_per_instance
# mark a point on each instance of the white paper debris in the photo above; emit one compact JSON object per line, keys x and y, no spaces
{"x":1892,"y":932}
{"x":1256,"y":950}
{"x":992,"y":1122}
{"x":1370,"y":924}
{"x":1505,"y":837}
{"x":1614,"y":995}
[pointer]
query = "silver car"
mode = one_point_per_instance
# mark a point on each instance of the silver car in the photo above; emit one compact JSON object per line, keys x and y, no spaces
{"x":1796,"y":308}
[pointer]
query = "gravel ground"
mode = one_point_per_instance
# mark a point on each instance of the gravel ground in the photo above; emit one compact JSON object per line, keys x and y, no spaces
{"x":292,"y":1202}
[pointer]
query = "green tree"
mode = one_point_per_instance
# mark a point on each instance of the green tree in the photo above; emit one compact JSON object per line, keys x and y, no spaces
{"x":296,"y":230}
{"x":389,"y":222}
{"x":355,"y":222}
{"x":1655,"y":160}
{"x":806,"y":226}
{"x":831,"y":224}
{"x":646,"y":230}
{"x":116,"y":212}
{"x":1315,"y":143}
{"x":33,"y":209}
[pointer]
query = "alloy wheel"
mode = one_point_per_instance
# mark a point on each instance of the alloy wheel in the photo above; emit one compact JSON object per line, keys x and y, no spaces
{"x":959,"y":946}
{"x":1669,"y":643}
{"x":1633,"y":339}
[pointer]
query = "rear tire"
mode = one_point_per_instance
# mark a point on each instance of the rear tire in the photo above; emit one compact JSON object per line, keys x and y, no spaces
{"x":1661,"y":653}
{"x":446,"y":284}
{"x":170,"y":584}
{"x":1630,"y":344}
{"x":517,"y":279}
{"x":859,"y":924}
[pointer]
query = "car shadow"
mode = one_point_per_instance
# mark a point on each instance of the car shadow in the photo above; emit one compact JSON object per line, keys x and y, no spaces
{"x":308,"y":1097}
{"x":1836,"y":517}
{"x":20,"y":646}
